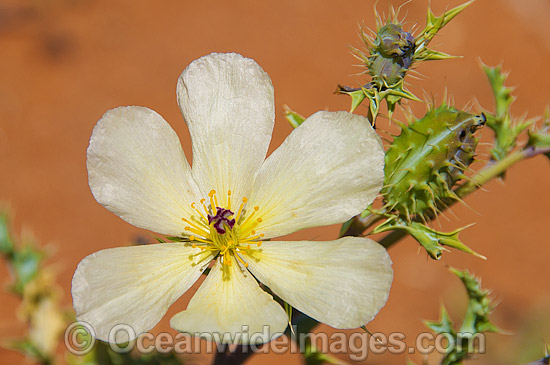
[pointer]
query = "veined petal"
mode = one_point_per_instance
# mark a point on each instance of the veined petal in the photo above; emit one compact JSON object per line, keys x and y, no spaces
{"x":227,"y":102}
{"x":134,"y":285}
{"x":326,"y":171}
{"x":230,"y":307}
{"x":137,"y":170}
{"x":342,"y":283}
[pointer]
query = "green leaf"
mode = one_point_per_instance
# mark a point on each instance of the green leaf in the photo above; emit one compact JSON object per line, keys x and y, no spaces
{"x":6,"y":242}
{"x":432,"y":55}
{"x":432,"y":240}
{"x":26,"y":263}
{"x":505,"y":128}
{"x":476,"y":321}
{"x":175,"y":239}
{"x":502,"y":94}
{"x":293,"y":118}
{"x":540,"y":138}
{"x":435,"y":23}
{"x":26,"y":347}
{"x":445,"y":325}
{"x":357,"y":98}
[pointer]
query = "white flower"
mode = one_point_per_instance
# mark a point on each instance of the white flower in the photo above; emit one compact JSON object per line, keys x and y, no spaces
{"x":327,"y":170}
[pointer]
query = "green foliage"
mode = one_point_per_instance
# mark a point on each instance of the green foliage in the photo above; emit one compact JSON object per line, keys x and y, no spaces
{"x":25,"y":264}
{"x":425,"y":161}
{"x":505,"y":128}
{"x":433,"y":25}
{"x":293,"y":117}
{"x":390,"y":53}
{"x":6,"y":242}
{"x":24,"y":260}
{"x":540,"y":138}
{"x":476,"y":321}
{"x":423,"y":166}
{"x":433,"y":241}
{"x":29,"y":349}
{"x":36,"y":287}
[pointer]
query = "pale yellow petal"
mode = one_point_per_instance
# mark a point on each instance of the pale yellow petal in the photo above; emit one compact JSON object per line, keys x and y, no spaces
{"x":230,"y":307}
{"x":227,"y":102}
{"x":342,"y":283}
{"x":326,"y":171}
{"x":137,"y":170}
{"x":133,"y":285}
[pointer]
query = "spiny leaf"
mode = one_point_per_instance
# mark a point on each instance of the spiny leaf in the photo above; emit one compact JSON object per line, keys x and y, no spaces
{"x":435,"y":23}
{"x":357,"y":95}
{"x":432,"y":240}
{"x":476,"y":321}
{"x":502,"y":93}
{"x":445,"y":325}
{"x":505,"y":128}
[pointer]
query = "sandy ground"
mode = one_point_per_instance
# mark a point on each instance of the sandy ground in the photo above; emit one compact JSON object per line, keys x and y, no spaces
{"x":64,"y":63}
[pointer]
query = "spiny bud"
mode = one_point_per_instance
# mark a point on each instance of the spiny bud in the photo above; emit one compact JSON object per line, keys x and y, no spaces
{"x":391,"y":55}
{"x":426,"y":160}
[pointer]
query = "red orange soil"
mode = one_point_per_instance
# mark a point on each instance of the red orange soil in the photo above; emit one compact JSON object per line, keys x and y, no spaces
{"x":64,"y":63}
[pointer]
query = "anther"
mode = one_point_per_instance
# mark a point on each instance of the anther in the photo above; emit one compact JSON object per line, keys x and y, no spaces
{"x":213,"y":200}
{"x":241,"y":260}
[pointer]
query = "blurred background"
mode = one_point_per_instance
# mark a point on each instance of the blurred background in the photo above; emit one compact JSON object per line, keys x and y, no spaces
{"x":63,"y":63}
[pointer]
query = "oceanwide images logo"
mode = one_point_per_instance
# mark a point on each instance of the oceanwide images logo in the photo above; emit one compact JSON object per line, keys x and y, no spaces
{"x":80,"y":340}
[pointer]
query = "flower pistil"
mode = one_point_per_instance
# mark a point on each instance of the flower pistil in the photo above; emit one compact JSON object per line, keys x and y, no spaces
{"x":216,"y":228}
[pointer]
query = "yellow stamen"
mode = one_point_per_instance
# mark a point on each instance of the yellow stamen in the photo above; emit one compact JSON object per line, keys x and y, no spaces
{"x":205,"y":208}
{"x":229,"y":199}
{"x":213,"y":201}
{"x":198,"y":211}
{"x":245,"y":199}
{"x":194,"y":225}
{"x":193,"y":238}
{"x":241,"y":260}
{"x":256,"y":208}
{"x":199,"y":232}
{"x":251,"y":239}
{"x":248,"y":230}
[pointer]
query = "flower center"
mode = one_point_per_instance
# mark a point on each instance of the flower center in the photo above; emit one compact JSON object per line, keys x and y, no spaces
{"x":217,"y":228}
{"x":221,"y":219}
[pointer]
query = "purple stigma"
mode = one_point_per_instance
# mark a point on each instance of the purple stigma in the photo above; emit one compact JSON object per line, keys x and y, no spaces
{"x":221,"y":219}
